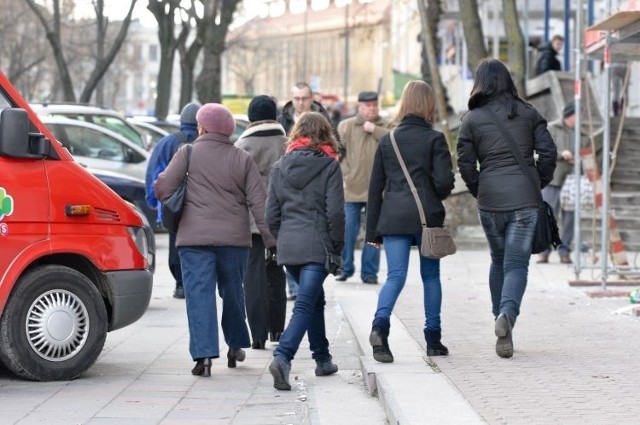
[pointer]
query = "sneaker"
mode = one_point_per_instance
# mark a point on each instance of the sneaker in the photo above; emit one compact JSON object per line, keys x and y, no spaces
{"x":326,"y":368}
{"x":280,"y":370}
{"x":179,"y":292}
{"x":372,"y":280}
{"x":504,"y":344}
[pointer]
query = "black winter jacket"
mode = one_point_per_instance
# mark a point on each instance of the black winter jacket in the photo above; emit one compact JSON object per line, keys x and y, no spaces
{"x":286,"y":117}
{"x":305,"y":207}
{"x":391,"y":208}
{"x":547,"y":60}
{"x":500,"y":184}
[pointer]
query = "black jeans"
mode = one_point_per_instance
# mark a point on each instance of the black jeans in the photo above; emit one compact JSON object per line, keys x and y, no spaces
{"x":174,"y":260}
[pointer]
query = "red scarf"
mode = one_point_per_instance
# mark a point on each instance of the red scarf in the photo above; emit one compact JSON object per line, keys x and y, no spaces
{"x":304,"y":142}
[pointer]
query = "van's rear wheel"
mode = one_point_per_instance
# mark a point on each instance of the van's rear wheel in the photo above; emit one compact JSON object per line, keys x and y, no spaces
{"x":54,"y":325}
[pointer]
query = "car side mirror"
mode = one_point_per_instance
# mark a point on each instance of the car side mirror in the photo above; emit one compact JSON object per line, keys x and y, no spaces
{"x":15,"y":139}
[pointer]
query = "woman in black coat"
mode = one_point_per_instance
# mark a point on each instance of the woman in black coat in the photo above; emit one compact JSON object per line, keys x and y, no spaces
{"x":392,"y":213}
{"x":507,"y":199}
{"x":305,"y":213}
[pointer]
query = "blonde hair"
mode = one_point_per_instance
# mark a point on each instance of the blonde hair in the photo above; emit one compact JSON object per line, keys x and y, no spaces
{"x":316,"y":127}
{"x":417,"y":99}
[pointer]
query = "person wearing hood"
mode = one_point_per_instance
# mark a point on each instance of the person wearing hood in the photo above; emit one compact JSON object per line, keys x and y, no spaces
{"x":305,"y":213}
{"x":548,"y":61}
{"x":265,"y":281}
{"x":158,"y":161}
{"x":214,"y":233}
{"x":301,"y":101}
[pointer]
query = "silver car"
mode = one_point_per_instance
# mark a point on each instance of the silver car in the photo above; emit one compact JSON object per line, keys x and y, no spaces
{"x":96,"y":147}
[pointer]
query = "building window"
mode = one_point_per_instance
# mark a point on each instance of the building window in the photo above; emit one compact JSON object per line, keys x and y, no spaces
{"x":153,"y":52}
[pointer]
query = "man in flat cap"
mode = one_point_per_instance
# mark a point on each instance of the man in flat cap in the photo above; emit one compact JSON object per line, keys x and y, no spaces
{"x":359,"y":136}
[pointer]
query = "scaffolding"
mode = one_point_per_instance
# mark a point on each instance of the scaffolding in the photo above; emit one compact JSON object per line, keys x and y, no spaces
{"x":617,"y":37}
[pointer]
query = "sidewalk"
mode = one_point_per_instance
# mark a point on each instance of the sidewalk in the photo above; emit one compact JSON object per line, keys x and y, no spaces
{"x":576,"y":358}
{"x":575,"y":362}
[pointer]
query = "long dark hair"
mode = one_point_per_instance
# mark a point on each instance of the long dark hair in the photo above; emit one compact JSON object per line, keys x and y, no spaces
{"x":493,"y":81}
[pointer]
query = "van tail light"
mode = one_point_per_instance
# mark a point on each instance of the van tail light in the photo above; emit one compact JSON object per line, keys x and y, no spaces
{"x":77,"y":210}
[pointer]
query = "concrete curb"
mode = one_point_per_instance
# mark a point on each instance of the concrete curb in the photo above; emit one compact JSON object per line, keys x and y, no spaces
{"x":412,"y":390}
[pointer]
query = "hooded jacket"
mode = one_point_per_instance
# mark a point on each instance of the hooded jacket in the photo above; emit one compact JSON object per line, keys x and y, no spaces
{"x":305,"y":207}
{"x":161,"y":156}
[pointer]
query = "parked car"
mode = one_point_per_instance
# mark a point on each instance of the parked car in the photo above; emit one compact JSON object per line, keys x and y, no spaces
{"x":149,"y":131}
{"x":107,"y":118}
{"x":242,"y":122}
{"x":98,"y":148}
{"x":169,"y":125}
{"x":172,"y":123}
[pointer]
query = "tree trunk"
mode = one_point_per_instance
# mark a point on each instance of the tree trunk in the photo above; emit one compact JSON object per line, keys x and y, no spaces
{"x":429,"y":41}
{"x":515,"y":41}
{"x":164,"y":11}
{"x":472,"y":33}
{"x":218,"y":15}
{"x":53,"y":35}
{"x":103,"y":61}
{"x":189,"y":55}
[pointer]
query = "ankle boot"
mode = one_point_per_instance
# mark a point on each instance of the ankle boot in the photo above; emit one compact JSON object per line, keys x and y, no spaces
{"x":380,"y":343}
{"x":434,"y":346}
{"x":326,"y":367}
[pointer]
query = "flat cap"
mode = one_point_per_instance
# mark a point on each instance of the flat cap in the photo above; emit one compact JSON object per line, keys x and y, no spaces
{"x":569,"y":109}
{"x":367,"y":96}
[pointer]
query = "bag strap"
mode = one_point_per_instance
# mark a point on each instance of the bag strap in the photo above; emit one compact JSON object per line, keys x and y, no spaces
{"x":514,"y":149}
{"x":188,"y":148}
{"x":423,"y":218}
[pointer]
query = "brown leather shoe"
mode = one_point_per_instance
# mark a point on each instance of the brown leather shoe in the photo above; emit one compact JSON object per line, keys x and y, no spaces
{"x":565,"y":259}
{"x":543,"y":259}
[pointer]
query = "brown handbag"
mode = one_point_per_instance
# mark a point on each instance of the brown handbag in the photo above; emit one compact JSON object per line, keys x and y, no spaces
{"x":437,"y":242}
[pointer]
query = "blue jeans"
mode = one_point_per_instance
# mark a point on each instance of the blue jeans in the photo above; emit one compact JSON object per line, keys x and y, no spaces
{"x":510,"y":237}
{"x":202,"y":268}
{"x":308,"y":314}
{"x":397,"y":249}
{"x":370,"y":255}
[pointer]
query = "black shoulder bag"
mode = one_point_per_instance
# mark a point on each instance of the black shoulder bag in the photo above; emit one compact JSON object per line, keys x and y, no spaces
{"x":546,"y":235}
{"x":173,"y":205}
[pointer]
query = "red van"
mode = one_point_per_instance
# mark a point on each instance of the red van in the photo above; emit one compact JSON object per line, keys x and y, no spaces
{"x":73,"y":254}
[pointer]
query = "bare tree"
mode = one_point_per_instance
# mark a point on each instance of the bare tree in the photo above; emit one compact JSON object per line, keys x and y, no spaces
{"x":515,"y":40}
{"x":430,"y":44}
{"x":165,"y":13}
{"x":472,"y":33}
{"x":23,"y":52}
{"x":434,"y":8}
{"x":53,"y":28}
{"x":189,"y":53}
{"x":218,"y":14}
